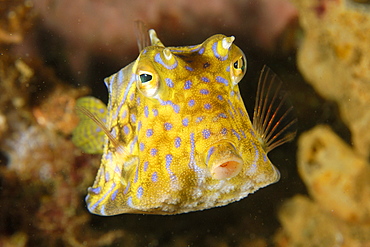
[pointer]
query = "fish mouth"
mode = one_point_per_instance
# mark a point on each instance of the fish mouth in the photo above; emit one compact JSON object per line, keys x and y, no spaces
{"x":223,"y":161}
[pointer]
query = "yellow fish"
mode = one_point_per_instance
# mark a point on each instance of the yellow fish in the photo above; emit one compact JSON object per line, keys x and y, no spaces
{"x":176,"y":136}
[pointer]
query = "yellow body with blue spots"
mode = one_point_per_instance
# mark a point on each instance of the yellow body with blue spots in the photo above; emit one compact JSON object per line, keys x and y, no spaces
{"x":176,"y":136}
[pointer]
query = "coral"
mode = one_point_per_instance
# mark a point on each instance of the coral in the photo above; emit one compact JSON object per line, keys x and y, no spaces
{"x":307,"y":224}
{"x":333,"y":58}
{"x":17,"y":15}
{"x":338,"y":181}
{"x":43,"y":176}
{"x":337,"y":178}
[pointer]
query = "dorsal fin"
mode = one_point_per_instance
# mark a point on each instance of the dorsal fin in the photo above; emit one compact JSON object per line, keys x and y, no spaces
{"x":142,"y":37}
{"x":273,"y":118}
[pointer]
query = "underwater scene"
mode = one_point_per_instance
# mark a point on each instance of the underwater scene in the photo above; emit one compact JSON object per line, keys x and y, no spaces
{"x":184,"y":123}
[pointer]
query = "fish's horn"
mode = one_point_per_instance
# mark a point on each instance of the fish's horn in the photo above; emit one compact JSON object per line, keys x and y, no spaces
{"x":222,"y":47}
{"x":166,"y":58}
{"x":227,"y":42}
{"x":154,"y":38}
{"x":167,"y":54}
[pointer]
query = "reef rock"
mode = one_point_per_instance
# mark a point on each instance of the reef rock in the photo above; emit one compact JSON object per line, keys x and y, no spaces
{"x":336,"y":177}
{"x":306,"y":224}
{"x":334,"y":59}
{"x":338,"y":181}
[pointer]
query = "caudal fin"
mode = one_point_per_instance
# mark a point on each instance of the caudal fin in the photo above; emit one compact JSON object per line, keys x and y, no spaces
{"x":89,"y":135}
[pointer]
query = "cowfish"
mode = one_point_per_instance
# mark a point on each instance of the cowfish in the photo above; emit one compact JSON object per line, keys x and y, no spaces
{"x":175,"y":136}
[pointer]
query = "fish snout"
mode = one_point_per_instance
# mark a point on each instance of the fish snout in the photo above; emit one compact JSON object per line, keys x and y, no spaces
{"x":223,"y":161}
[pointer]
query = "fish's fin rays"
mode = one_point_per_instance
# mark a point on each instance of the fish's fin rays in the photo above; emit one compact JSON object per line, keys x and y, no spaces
{"x":87,"y":135}
{"x":273,"y":116}
{"x":91,"y":131}
{"x":142,"y":37}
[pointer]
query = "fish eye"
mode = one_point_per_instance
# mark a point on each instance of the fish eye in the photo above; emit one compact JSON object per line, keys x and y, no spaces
{"x":236,"y":65}
{"x":240,"y":64}
{"x":238,"y":70}
{"x":147,"y":83}
{"x":144,"y":78}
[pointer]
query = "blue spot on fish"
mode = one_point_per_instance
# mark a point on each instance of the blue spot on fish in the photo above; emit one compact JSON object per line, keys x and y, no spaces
{"x":154,"y":177}
{"x":207,"y":106}
{"x":146,"y":164}
{"x":241,"y":112}
{"x":136,"y":175}
{"x":205,"y":79}
{"x":169,"y":82}
{"x":146,"y":111}
{"x":222,"y":115}
{"x":177,"y":142}
{"x":133,"y":118}
{"x":236,"y":134}
{"x":129,"y":202}
{"x":210,"y":152}
{"x":109,"y":156}
{"x":142,"y":146}
{"x":126,"y":129}
{"x":206,"y":133}
{"x":187,"y":84}
{"x":114,"y":195}
{"x":243,"y":134}
{"x":175,"y":107}
{"x":185,"y":122}
{"x":124,"y":114}
{"x":169,"y":158}
{"x":149,"y":132}
{"x":204,"y":91}
{"x":167,"y":126}
{"x":96,"y":190}
{"x":222,"y":80}
{"x":191,"y":102}
{"x":264,"y":157}
{"x":155,"y":112}
{"x":140,"y":192}
{"x":189,"y":68}
{"x":199,"y":119}
{"x":153,"y":152}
